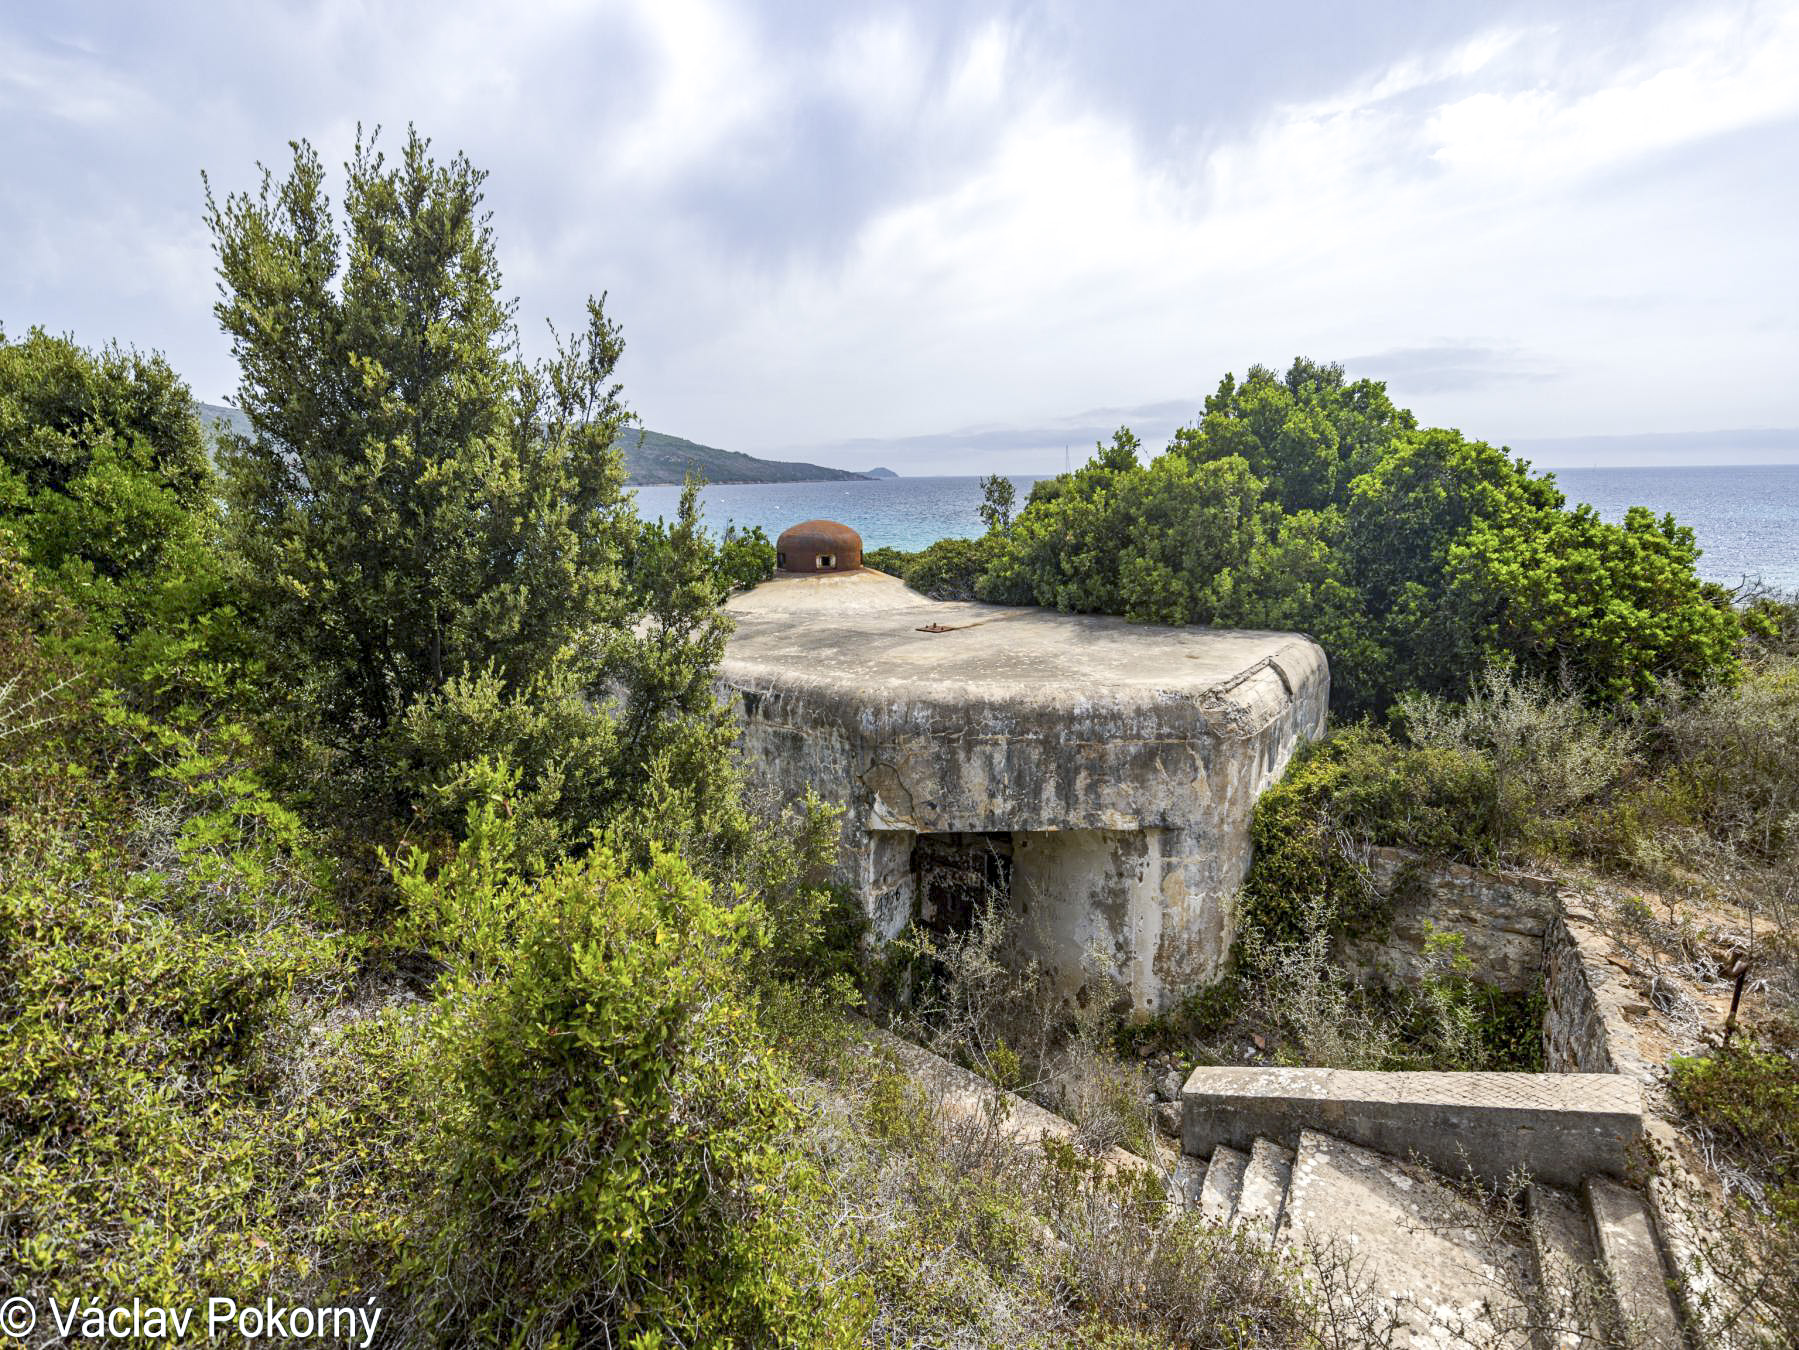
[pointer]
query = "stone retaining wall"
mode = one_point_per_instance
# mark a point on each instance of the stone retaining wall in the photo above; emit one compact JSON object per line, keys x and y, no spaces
{"x":1500,"y":916}
{"x":1587,"y":1026}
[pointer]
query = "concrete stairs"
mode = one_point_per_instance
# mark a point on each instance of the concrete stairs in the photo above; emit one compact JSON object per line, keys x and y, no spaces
{"x":1404,"y":1259}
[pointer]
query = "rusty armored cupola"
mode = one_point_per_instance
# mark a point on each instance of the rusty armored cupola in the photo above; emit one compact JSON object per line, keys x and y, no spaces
{"x":818,"y":546}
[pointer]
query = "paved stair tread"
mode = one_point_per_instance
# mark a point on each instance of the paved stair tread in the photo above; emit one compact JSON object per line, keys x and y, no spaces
{"x":1571,"y":1287}
{"x":1186,"y":1179}
{"x":1262,"y":1193}
{"x":1415,"y":1251}
{"x":1224,"y":1177}
{"x":1632,"y":1261}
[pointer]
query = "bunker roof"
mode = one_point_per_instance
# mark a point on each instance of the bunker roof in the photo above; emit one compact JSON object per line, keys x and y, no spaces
{"x":868,"y":634}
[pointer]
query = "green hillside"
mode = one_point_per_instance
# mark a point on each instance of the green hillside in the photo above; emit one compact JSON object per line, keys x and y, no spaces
{"x":650,"y":457}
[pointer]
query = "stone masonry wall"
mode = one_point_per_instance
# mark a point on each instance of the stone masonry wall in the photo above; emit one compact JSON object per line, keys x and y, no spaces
{"x":1587,"y":1028}
{"x":1500,"y":916}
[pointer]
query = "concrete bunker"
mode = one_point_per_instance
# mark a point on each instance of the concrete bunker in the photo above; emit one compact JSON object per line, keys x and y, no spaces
{"x":1098,"y":775}
{"x":955,"y":873}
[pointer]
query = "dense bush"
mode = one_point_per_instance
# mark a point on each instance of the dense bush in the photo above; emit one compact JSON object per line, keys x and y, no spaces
{"x":589,"y":1070}
{"x":1551,"y":759}
{"x":949,"y":569}
{"x":1733,"y":756}
{"x":107,"y":495}
{"x":1162,"y":544}
{"x":1747,"y":1100}
{"x":1414,"y":556}
{"x":162,"y":919}
{"x":607,"y":1144}
{"x":1360,"y":786}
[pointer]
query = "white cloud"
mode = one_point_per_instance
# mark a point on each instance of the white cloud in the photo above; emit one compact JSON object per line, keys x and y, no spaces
{"x":887,"y":222}
{"x":66,"y":84}
{"x":711,"y":83}
{"x":1698,"y":77}
{"x":1446,"y":194}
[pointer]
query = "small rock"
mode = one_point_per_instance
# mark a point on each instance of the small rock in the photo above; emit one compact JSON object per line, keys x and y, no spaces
{"x":1144,"y":1052}
{"x":1169,"y":1086}
{"x":1168,"y":1119}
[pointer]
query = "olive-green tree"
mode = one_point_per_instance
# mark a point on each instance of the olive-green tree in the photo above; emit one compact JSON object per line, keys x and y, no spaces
{"x":107,"y":494}
{"x":417,"y":503}
{"x":1416,"y":556}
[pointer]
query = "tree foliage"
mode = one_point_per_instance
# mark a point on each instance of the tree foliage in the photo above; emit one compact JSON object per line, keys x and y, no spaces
{"x":1415,"y":556}
{"x":998,"y":497}
{"x":417,"y":504}
{"x":107,"y":495}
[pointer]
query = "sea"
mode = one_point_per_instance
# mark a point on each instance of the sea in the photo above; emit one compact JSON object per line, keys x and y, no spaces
{"x":1746,"y":517}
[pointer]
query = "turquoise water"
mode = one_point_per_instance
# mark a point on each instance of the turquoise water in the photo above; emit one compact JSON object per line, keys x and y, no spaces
{"x":1746,"y":517}
{"x":906,"y":513}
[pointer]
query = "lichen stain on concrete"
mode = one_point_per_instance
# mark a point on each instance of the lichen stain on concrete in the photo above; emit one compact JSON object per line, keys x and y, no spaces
{"x":1122,"y":760}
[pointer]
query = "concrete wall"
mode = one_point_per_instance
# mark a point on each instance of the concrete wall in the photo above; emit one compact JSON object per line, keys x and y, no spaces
{"x":1123,"y":760}
{"x":1130,"y":827}
{"x":1560,"y":1127}
{"x":1130,"y":822}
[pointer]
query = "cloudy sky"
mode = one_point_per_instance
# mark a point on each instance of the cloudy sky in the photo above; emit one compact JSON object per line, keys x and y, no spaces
{"x":955,"y":237}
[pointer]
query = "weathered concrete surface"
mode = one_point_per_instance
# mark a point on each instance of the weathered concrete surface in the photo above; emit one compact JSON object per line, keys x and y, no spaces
{"x":1589,"y":1027}
{"x":1590,"y":996}
{"x":1123,"y":760}
{"x":1559,"y":1127}
{"x":1224,"y":1179}
{"x":962,"y":1095}
{"x":1262,"y":1193}
{"x":1632,"y":1262}
{"x":1408,"y":1249}
{"x":1500,"y":916}
{"x":1570,"y":1286}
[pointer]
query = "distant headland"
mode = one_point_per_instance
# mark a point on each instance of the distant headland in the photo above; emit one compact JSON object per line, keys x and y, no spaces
{"x":653,"y":458}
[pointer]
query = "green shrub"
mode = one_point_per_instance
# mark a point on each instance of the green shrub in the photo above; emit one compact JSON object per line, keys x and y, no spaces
{"x":893,"y":561}
{"x":1357,"y":786}
{"x":1732,"y":757}
{"x":1747,"y":1099}
{"x":745,"y":557}
{"x":1414,"y":555}
{"x":1618,"y":609}
{"x":610,"y":1128}
{"x":950,"y":569}
{"x":1162,"y":544}
{"x":106,"y":494}
{"x":1550,"y":754}
{"x":736,"y":559}
{"x":1751,"y":1098}
{"x":161,"y":920}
